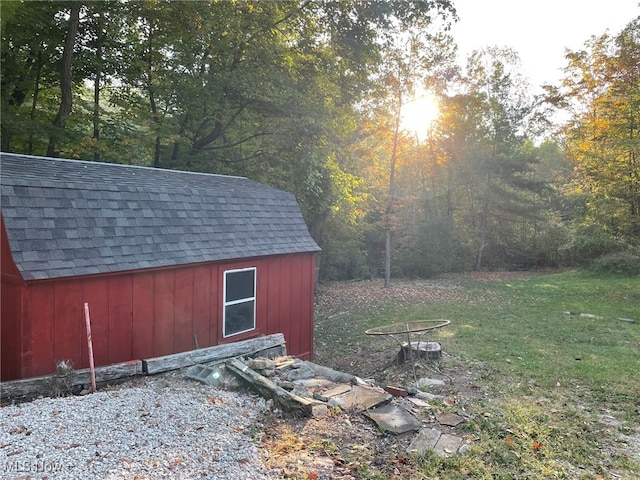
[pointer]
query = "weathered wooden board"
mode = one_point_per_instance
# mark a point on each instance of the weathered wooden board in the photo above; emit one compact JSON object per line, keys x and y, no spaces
{"x":33,"y":387}
{"x":27,"y":388}
{"x":286,"y":400}
{"x":109,"y":373}
{"x":333,"y":375}
{"x":175,"y":361}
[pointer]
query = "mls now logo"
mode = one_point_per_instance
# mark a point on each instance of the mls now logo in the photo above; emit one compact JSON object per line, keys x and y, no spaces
{"x":33,"y":466}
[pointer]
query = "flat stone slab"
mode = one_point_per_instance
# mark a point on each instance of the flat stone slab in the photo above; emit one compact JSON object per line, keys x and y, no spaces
{"x":338,"y":390}
{"x":449,"y":419}
{"x":394,"y":418}
{"x":426,"y":439}
{"x":427,"y":396}
{"x":429,"y":382}
{"x":447,"y":445}
{"x":261,"y":364}
{"x":314,"y":382}
{"x":361,"y":398}
{"x":464,"y":449}
{"x":418,"y":402}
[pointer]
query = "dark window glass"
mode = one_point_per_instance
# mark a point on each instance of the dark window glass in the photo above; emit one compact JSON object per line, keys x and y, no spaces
{"x":239,"y":318}
{"x":240,"y":285}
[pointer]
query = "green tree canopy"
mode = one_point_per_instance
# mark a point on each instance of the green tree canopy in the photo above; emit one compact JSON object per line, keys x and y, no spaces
{"x":601,"y":90}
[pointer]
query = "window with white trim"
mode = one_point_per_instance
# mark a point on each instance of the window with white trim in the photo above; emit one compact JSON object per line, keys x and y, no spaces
{"x":239,"y":314}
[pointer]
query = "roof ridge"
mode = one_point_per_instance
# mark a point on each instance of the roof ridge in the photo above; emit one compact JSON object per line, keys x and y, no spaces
{"x":124,"y":165}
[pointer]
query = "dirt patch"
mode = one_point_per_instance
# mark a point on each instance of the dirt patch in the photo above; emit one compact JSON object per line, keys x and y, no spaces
{"x":501,"y":275}
{"x":339,"y":298}
{"x":383,"y":368}
{"x":348,"y":445}
{"x":338,"y":446}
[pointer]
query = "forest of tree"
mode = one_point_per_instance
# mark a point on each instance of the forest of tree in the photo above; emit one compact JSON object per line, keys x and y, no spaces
{"x":308,"y":95}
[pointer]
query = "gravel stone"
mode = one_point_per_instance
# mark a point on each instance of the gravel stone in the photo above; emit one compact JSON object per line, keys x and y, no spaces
{"x":149,"y":428}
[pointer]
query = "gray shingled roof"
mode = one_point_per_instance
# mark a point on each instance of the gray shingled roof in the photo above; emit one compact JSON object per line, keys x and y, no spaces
{"x":66,"y":218}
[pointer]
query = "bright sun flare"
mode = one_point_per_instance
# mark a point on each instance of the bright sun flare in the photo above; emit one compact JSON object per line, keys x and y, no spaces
{"x":419,"y":114}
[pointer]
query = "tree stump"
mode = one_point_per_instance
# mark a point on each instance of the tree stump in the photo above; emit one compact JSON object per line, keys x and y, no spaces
{"x":420,"y":350}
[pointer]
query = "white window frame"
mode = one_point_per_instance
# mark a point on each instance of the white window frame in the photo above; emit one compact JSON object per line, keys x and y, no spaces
{"x":226,"y":304}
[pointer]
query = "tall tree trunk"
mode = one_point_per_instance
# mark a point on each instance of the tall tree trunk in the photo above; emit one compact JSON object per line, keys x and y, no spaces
{"x":449,"y":191}
{"x":34,"y":103}
{"x":96,"y":86}
{"x":96,"y":114}
{"x":486,"y":202}
{"x":65,"y":79}
{"x":484,"y":223}
{"x":387,"y":257}
{"x":156,"y":155}
{"x":175,"y":154}
{"x":392,"y":199}
{"x":317,"y":228}
{"x":152,"y":101}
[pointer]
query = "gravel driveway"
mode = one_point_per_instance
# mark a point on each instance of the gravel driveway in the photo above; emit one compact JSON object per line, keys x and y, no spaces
{"x":148,"y":428}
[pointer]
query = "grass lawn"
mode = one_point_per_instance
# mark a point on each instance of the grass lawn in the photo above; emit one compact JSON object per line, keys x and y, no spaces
{"x":562,"y":390}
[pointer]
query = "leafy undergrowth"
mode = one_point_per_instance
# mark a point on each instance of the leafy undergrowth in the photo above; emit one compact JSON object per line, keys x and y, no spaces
{"x":545,"y":394}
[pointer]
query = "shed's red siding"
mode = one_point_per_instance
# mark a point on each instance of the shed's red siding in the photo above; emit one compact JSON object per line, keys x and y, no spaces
{"x":11,"y":310}
{"x":146,"y":314}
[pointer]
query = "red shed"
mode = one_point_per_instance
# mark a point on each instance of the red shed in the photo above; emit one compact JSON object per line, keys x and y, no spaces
{"x":166,"y":260}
